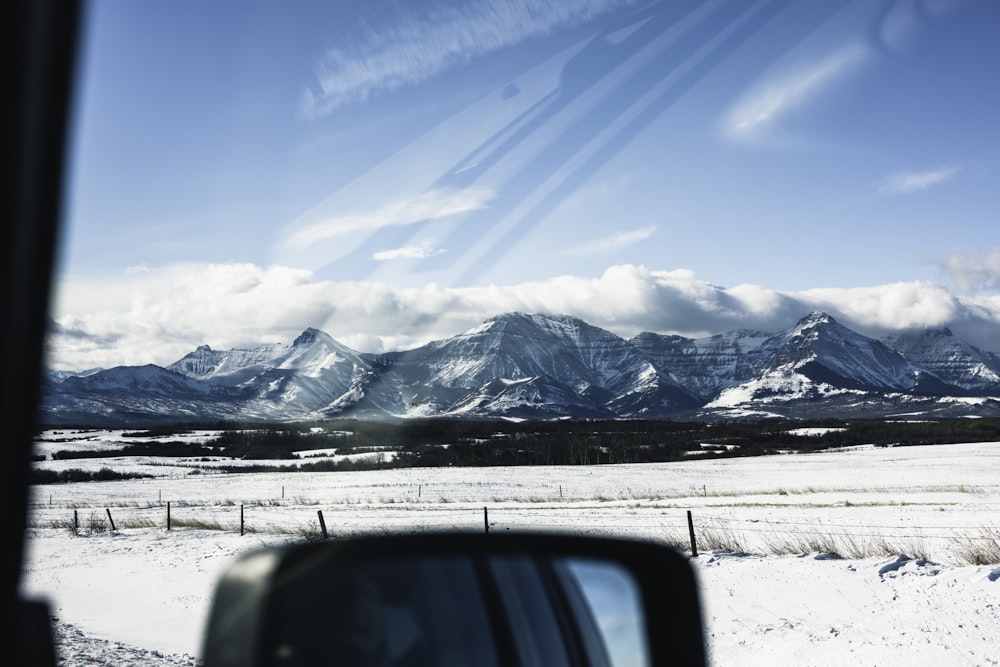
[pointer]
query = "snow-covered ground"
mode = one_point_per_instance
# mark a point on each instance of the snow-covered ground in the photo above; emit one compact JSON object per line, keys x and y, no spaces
{"x":903,"y":521}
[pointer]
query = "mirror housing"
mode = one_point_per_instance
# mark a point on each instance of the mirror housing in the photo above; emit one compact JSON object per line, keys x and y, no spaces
{"x":461,"y":598}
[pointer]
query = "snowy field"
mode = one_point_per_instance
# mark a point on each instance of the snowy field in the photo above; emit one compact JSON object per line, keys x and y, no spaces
{"x":858,"y":556}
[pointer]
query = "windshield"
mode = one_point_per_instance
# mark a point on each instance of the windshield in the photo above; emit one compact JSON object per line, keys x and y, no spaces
{"x":393,"y":173}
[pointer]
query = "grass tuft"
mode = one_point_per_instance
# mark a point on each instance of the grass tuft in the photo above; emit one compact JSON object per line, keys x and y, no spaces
{"x":203,"y":524}
{"x":721,"y":538}
{"x":980,"y":549}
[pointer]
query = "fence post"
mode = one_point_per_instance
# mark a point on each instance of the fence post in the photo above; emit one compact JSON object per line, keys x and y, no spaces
{"x":168,"y":515}
{"x":322,"y":524}
{"x":108,"y":510}
{"x":241,"y":519}
{"x":486,"y":521}
{"x":76,"y":521}
{"x":694,"y":545}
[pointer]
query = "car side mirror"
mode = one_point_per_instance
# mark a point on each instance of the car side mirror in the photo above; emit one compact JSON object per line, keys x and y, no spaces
{"x":457,"y":599}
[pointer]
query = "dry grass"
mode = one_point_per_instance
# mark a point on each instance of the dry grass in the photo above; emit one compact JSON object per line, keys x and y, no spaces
{"x":982,"y":548}
{"x":721,"y":538}
{"x":840,"y":544}
{"x":202,"y":524}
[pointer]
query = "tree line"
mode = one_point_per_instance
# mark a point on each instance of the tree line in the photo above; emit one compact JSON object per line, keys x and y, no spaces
{"x":455,"y":442}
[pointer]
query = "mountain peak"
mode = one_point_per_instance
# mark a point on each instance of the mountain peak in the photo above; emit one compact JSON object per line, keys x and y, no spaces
{"x":815,"y":318}
{"x":308,"y":336}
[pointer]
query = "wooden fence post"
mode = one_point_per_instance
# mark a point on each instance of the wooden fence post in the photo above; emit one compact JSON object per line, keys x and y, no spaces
{"x":168,"y":515}
{"x":694,"y":545}
{"x":322,"y":524}
{"x":76,"y":521}
{"x":486,"y":520}
{"x":241,"y":519}
{"x":108,"y":510}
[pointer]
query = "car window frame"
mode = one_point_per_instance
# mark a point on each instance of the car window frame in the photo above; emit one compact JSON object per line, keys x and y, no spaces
{"x":43,"y":38}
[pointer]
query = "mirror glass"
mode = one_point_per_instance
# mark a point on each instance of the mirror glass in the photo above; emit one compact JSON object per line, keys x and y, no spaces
{"x":381,"y":612}
{"x":615,"y":603}
{"x":486,"y":610}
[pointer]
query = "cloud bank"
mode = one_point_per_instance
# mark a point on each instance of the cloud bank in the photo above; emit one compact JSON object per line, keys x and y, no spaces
{"x":159,"y":315}
{"x":977,"y":271}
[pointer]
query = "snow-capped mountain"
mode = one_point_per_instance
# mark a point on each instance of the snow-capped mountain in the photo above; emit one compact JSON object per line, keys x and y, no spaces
{"x":205,"y":362}
{"x":135,"y":394}
{"x":951,"y":359}
{"x":704,"y":366}
{"x":528,"y":366}
{"x":520,"y":365}
{"x":820,"y":355}
{"x":313,"y":373}
{"x":822,"y":350}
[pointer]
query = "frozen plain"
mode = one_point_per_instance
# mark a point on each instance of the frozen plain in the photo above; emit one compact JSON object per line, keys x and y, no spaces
{"x":852,"y":556}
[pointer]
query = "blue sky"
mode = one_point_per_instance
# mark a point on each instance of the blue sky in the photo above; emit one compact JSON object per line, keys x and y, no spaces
{"x":395,"y":172}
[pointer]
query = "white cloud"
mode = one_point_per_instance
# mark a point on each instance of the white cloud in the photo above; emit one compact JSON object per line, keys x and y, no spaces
{"x":763,"y":105}
{"x":430,"y":205}
{"x":977,"y":271}
{"x":420,"y":44}
{"x":421,"y":251}
{"x":159,"y":314}
{"x":614,"y":242}
{"x":884,"y":308}
{"x":905,"y":182}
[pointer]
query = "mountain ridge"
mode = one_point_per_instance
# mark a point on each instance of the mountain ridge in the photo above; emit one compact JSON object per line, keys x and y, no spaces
{"x":533,"y":366}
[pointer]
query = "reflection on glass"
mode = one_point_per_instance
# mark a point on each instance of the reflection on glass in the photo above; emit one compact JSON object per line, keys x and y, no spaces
{"x":408,"y":610}
{"x":385,"y":612}
{"x":616,"y":605}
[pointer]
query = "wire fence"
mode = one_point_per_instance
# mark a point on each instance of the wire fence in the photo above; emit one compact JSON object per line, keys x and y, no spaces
{"x":692,"y":532}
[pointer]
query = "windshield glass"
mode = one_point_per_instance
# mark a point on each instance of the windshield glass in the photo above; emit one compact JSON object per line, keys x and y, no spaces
{"x":393,"y":173}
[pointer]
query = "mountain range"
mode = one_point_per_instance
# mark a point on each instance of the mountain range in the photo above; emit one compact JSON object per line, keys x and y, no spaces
{"x":531,"y":366}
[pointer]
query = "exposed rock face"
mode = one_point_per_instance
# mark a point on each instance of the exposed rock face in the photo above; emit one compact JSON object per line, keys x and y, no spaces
{"x":205,"y":362}
{"x":532,"y":365}
{"x":705,"y":366}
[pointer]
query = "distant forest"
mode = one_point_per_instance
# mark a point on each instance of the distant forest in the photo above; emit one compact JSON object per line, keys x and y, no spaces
{"x":450,"y":442}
